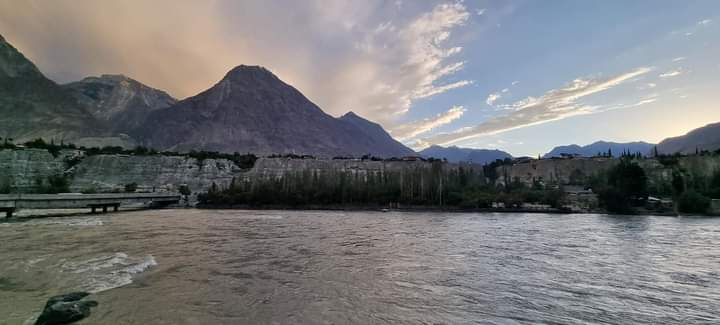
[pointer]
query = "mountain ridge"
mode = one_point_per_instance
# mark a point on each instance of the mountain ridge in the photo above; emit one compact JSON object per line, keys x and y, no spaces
{"x":702,"y":138}
{"x":121,"y":101}
{"x":34,"y":106}
{"x":601,"y":147}
{"x":252,"y":110}
{"x":457,"y":154}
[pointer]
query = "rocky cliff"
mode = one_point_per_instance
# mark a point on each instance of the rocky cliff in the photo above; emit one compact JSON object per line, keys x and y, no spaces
{"x":20,"y":169}
{"x":553,"y":171}
{"x":108,"y":173}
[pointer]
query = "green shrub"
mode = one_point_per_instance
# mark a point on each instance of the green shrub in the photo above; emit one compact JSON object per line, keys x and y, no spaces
{"x":693,"y":202}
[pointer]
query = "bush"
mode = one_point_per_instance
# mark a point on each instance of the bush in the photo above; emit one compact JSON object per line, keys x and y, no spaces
{"x":131,"y":188}
{"x":52,"y":185}
{"x":615,"y":201}
{"x":693,"y":202}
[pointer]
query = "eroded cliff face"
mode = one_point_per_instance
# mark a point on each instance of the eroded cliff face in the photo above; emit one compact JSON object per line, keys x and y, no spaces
{"x":577,"y":170}
{"x":20,"y":169}
{"x":277,"y":167}
{"x":104,"y":173}
{"x":554,"y":171}
{"x":111,"y":173}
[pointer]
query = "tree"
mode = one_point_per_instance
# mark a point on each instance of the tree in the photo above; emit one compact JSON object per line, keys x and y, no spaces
{"x":626,"y":187}
{"x":693,"y":202}
{"x":629,"y":178}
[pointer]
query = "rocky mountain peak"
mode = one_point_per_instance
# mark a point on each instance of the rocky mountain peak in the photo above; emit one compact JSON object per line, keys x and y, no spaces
{"x":251,"y":74}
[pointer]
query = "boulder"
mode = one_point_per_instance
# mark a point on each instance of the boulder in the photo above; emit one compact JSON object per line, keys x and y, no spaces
{"x":66,"y":309}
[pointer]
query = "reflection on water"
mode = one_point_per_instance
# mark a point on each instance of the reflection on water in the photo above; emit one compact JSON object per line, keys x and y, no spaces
{"x":291,"y":267}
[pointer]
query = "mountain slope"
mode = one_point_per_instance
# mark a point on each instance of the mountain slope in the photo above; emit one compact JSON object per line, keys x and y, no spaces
{"x":32,"y":106}
{"x":601,"y":147}
{"x":123,"y":102}
{"x":704,"y":138}
{"x":456,"y":154}
{"x":376,"y":137}
{"x":252,"y":110}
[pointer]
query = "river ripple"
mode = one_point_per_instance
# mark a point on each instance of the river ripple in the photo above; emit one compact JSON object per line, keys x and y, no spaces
{"x":307,"y":267}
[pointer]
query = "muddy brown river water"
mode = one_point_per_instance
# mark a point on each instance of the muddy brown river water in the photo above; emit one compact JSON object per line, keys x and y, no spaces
{"x":313,"y":267}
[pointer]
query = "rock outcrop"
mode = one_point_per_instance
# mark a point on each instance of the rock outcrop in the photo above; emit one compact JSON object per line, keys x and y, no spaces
{"x":66,"y":309}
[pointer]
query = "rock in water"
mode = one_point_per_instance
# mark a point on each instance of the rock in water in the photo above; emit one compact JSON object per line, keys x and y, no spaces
{"x":66,"y":309}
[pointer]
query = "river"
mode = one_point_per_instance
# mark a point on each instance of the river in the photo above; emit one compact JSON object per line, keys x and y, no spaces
{"x":317,"y":267}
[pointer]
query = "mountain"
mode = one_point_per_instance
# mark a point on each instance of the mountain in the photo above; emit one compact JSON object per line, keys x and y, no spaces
{"x":376,"y":136}
{"x":456,"y":154}
{"x":601,"y":147}
{"x":252,"y":110}
{"x":704,"y":138}
{"x":121,"y":101}
{"x":32,"y":106}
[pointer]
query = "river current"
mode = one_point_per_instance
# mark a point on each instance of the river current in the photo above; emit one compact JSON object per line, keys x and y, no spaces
{"x":311,"y":267}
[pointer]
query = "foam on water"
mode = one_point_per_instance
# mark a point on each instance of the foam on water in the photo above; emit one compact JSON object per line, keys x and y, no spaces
{"x":109,"y":271}
{"x":72,"y":222}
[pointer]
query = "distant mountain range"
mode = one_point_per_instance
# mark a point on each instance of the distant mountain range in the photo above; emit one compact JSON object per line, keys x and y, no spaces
{"x":456,"y":154}
{"x":704,"y":138}
{"x":249,"y":110}
{"x":601,"y":147}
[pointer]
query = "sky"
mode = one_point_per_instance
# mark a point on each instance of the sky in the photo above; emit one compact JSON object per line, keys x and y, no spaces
{"x":518,"y":75}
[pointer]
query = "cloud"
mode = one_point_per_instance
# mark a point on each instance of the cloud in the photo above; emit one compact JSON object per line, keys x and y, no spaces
{"x":374,"y":57}
{"x":515,"y":83}
{"x":554,"y":105}
{"x":678,"y":59}
{"x":705,"y":22}
{"x":671,"y":73}
{"x":480,"y":12}
{"x":413,"y":129}
{"x":492,"y":98}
